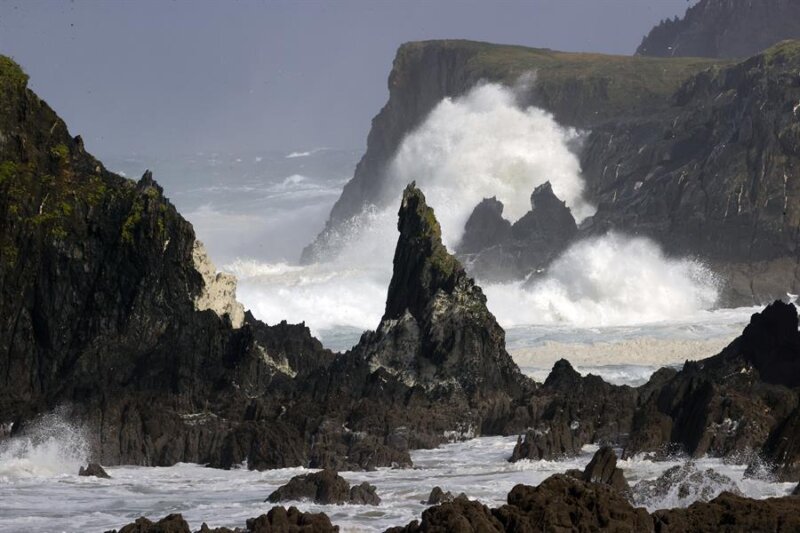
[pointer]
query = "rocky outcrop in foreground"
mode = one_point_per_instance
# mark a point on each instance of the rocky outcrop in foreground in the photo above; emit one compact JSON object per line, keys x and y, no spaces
{"x":738,"y":403}
{"x":109,"y":308}
{"x":603,"y":469}
{"x":325,"y":487}
{"x":563,"y":503}
{"x":724,"y":28}
{"x":277,"y":520}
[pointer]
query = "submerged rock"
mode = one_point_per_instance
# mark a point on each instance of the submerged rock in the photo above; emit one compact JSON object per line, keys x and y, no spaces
{"x":325,"y":487}
{"x":93,"y":469}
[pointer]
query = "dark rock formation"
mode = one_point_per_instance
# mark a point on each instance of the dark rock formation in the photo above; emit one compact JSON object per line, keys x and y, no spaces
{"x":106,"y":309}
{"x":796,"y":491}
{"x":325,"y":487}
{"x":423,"y":73}
{"x":364,"y":494}
{"x":485,"y":227}
{"x":721,"y":163}
{"x":438,"y":496}
{"x":571,"y":411}
{"x":173,"y":523}
{"x":729,"y":512}
{"x":562,"y":503}
{"x":724,"y":28}
{"x":689,"y":483}
{"x":495,"y":249}
{"x":277,"y":520}
{"x":603,"y":469}
{"x":95,"y":470}
{"x":732,"y":402}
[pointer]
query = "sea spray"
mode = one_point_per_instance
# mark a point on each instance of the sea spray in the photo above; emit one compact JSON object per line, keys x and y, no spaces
{"x":612,"y":280}
{"x":49,"y":446}
{"x":479,"y":145}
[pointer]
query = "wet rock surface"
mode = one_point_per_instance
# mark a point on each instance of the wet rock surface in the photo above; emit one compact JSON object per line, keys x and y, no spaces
{"x":277,"y":520}
{"x":603,"y":469}
{"x":571,"y":410}
{"x":438,"y":496}
{"x":325,"y":487}
{"x":93,"y":470}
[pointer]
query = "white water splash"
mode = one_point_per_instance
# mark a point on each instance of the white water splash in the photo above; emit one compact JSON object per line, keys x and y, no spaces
{"x":49,"y":446}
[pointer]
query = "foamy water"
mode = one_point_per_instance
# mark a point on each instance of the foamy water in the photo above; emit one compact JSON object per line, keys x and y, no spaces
{"x":54,"y":500}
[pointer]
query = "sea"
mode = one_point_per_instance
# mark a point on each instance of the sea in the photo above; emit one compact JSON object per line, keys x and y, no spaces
{"x":615,"y":306}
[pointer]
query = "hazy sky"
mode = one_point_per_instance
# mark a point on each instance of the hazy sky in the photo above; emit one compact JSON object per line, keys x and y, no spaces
{"x":168,"y":77}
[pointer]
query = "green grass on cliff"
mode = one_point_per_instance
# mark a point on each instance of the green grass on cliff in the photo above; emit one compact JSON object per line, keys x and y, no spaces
{"x":592,"y":84}
{"x":11,"y":74}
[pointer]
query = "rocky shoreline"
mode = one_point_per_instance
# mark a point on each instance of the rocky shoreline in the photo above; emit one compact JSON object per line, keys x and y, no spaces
{"x":597,"y":498}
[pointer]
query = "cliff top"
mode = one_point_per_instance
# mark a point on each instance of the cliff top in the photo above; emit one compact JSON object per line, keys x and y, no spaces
{"x":608,"y":85}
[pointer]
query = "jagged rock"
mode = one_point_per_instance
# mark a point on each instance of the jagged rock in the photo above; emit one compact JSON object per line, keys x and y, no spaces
{"x":724,"y":28}
{"x":438,"y":496}
{"x":364,"y":494}
{"x":325,"y":487}
{"x":729,"y":512}
{"x":103,"y":311}
{"x":173,"y":523}
{"x":796,"y":491}
{"x":686,"y":483}
{"x":527,"y":246}
{"x":458,"y":516}
{"x":603,"y":469}
{"x":485,"y":227}
{"x":94,"y":469}
{"x":574,"y":411}
{"x":277,"y":520}
{"x":734,"y":402}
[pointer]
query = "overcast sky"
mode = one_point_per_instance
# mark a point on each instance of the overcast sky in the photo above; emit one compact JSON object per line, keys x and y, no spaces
{"x":170,"y":77}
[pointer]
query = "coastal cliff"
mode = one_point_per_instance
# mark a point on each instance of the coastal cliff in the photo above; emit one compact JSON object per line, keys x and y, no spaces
{"x":581,"y":90}
{"x":724,"y":28}
{"x":699,"y":155}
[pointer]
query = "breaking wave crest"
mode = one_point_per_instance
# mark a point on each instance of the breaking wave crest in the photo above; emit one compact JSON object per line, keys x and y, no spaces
{"x":50,"y":446}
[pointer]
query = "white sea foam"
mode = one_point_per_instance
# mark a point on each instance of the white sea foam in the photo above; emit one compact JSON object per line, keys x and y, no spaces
{"x":608,"y":281}
{"x":49,"y":446}
{"x":483,"y":144}
{"x":478,"y":467}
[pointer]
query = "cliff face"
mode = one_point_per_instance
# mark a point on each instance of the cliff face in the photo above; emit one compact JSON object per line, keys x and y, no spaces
{"x":715,"y":175}
{"x":579,"y":89}
{"x":101,"y":303}
{"x":702,"y":157}
{"x":724,"y":28}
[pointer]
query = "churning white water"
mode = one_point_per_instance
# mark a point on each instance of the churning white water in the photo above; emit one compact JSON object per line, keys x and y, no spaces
{"x":480,"y":145}
{"x":51,"y":498}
